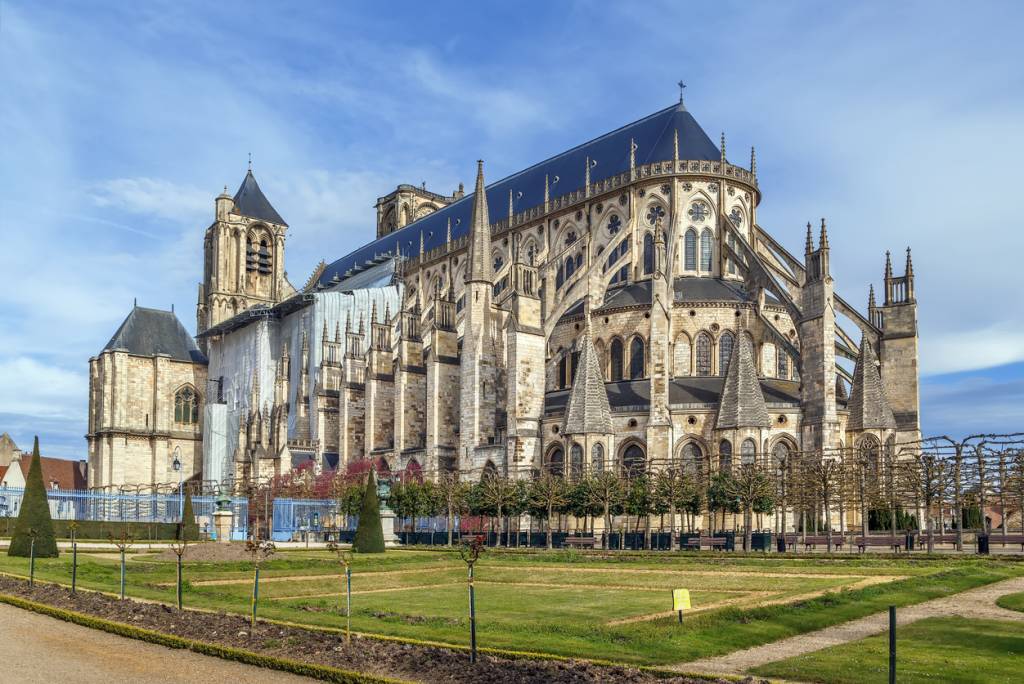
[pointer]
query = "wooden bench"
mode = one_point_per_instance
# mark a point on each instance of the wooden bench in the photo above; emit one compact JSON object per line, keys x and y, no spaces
{"x":705,"y":542}
{"x":580,"y":542}
{"x":895,"y":543}
{"x":822,"y":540}
{"x":999,"y":538}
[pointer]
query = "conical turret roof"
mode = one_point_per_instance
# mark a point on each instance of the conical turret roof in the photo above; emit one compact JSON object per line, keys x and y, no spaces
{"x":588,"y":411}
{"x":869,"y":409}
{"x":479,"y":233}
{"x":742,"y":403}
{"x":250,"y":201}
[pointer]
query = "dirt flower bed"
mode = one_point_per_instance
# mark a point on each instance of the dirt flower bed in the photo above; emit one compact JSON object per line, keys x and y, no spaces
{"x":210,"y":552}
{"x":367,"y":655}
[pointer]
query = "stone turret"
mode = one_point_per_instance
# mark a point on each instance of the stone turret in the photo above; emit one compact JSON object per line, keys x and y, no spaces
{"x":868,"y":406}
{"x":742,"y":404}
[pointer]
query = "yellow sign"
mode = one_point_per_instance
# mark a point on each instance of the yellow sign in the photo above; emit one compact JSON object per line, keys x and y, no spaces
{"x":680,"y":599}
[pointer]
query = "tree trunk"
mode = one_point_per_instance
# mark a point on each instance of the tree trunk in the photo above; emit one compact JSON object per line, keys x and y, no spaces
{"x":550,"y":512}
{"x":748,"y":534}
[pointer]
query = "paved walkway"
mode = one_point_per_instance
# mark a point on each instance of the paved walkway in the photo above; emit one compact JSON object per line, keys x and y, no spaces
{"x":38,"y":648}
{"x":975,"y":603}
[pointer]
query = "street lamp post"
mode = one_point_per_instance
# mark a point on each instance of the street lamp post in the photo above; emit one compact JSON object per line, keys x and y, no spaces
{"x":177,"y":468}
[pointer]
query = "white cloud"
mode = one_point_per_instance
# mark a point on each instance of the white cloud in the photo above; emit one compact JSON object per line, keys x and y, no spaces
{"x":952,"y":351}
{"x":151,"y":196}
{"x":34,"y":388}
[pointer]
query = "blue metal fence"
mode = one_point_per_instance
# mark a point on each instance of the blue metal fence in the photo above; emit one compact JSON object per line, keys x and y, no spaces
{"x":295,"y":518}
{"x":159,"y":508}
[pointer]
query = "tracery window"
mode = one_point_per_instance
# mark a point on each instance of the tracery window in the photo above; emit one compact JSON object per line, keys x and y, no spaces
{"x":693,"y":458}
{"x":636,"y":358}
{"x":614,"y":224}
{"x":634,"y":461}
{"x":616,"y":253}
{"x":748,"y":452}
{"x":699,"y":211}
{"x":648,"y":254}
{"x":690,"y":250}
{"x":725,"y":456}
{"x":725,"y":343}
{"x":780,"y":454}
{"x":705,"y":250}
{"x":570,"y":238}
{"x":703,"y":354}
{"x":576,"y":462}
{"x":616,"y":353}
{"x":498,"y":263}
{"x":556,"y":462}
{"x":654,"y":213}
{"x":186,"y":406}
{"x":597,"y":458}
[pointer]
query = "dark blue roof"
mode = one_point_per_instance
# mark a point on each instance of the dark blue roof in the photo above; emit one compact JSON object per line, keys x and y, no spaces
{"x":250,"y":201}
{"x":654,"y":140}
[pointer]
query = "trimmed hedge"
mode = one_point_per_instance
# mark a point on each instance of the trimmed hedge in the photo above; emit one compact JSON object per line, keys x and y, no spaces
{"x":34,"y":516}
{"x":322,"y":672}
{"x":369,"y":533}
{"x":100,"y":529}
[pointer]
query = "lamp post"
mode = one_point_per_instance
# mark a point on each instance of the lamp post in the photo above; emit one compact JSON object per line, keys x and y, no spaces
{"x":177,"y":468}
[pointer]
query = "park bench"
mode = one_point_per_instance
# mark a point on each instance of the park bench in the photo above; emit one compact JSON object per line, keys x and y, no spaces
{"x":580,"y":542}
{"x":895,"y":543}
{"x":999,"y":538}
{"x":705,"y":542}
{"x":822,"y":540}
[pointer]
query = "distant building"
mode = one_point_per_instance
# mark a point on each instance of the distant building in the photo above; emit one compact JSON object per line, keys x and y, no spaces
{"x":58,"y":473}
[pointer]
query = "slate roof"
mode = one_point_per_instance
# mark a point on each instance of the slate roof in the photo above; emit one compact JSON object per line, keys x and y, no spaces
{"x":683,"y":390}
{"x":250,"y":201}
{"x":588,"y":411}
{"x":742,"y":403}
{"x":654,"y":139}
{"x":148,"y":332}
{"x":868,"y":407}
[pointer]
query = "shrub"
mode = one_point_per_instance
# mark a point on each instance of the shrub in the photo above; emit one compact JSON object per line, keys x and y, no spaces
{"x":189,"y":528}
{"x":34,"y":516}
{"x":369,"y":533}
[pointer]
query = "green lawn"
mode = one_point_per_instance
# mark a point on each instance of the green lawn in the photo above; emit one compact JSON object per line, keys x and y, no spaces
{"x":560,"y":603}
{"x":937,"y":649}
{"x":1012,"y":601}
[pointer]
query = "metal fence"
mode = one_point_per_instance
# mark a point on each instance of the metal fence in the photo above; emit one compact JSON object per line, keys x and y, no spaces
{"x":144,"y":508}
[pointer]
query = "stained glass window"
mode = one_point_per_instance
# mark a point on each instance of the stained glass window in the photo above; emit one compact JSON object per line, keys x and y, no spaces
{"x":654,"y":213}
{"x":705,"y":250}
{"x":725,"y":455}
{"x":614,"y":225}
{"x":186,"y":406}
{"x":724,"y":352}
{"x":636,"y":358}
{"x":690,"y":250}
{"x":616,"y":352}
{"x":748,"y":452}
{"x":703,"y":354}
{"x":693,"y":458}
{"x":648,"y":254}
{"x":597,"y":458}
{"x":576,"y":462}
{"x":698,"y":212}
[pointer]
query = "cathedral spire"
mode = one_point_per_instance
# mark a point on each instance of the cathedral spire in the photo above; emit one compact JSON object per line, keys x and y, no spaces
{"x":753,"y":162}
{"x":587,"y":410}
{"x":373,"y":314}
{"x":888,"y":265}
{"x":868,"y":407}
{"x":871,"y":296}
{"x":910,"y":264}
{"x":337,"y":330}
{"x":479,"y":269}
{"x":723,"y":147}
{"x":809,"y":246}
{"x":823,"y":239}
{"x":742,"y":402}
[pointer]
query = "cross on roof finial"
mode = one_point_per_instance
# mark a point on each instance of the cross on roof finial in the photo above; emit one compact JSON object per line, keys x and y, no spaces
{"x":681,"y":87}
{"x":250,"y":161}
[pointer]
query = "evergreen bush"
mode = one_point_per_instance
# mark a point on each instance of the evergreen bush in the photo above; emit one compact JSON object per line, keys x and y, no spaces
{"x":369,"y":533}
{"x":34,"y":515}
{"x":188,"y":530}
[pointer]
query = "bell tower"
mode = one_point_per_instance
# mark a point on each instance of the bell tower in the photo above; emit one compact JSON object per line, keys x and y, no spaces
{"x":243,"y":251}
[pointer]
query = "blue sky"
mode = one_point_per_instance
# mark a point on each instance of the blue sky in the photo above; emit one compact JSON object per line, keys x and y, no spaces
{"x":120,"y":122}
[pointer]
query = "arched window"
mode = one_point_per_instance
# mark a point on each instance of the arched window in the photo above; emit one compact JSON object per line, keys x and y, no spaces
{"x":556,"y":462}
{"x":693,"y":458}
{"x":703,"y":354}
{"x":725,"y":455}
{"x":498,"y":262}
{"x":570,"y":267}
{"x":725,"y":343}
{"x":186,"y":406}
{"x":780,"y":455}
{"x":690,"y":250}
{"x":634,"y":461}
{"x":705,"y":250}
{"x":648,"y":254}
{"x":597,"y":458}
{"x":616,"y":351}
{"x":783,"y":365}
{"x":868,"y":449}
{"x":748,"y":452}
{"x":563,"y":371}
{"x":636,"y":358}
{"x":576,"y":462}
{"x":574,"y":362}
{"x":682,"y":356}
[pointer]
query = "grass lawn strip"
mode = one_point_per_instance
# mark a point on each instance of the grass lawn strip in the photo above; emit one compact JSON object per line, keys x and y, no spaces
{"x":978,"y":602}
{"x":934,"y":649}
{"x":1012,"y":602}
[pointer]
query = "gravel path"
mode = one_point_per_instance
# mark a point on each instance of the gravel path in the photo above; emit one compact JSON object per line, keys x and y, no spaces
{"x":975,"y":603}
{"x":46,"y":650}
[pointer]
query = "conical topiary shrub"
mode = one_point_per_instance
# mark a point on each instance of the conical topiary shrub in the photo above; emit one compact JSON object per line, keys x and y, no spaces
{"x":188,"y":530}
{"x":34,"y":515}
{"x":369,"y":533}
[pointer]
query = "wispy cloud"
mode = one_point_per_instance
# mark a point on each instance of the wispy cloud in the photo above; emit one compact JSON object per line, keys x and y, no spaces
{"x":152,"y":197}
